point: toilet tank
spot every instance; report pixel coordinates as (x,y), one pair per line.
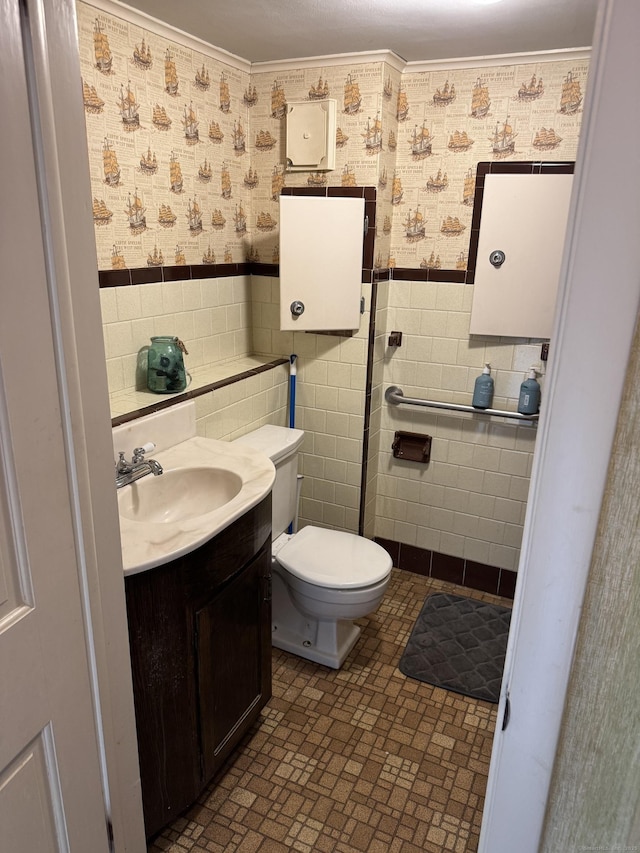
(281,445)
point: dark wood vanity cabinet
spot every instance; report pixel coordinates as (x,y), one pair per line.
(200,638)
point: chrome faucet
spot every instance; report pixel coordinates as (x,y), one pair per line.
(129,472)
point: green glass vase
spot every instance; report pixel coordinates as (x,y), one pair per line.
(165,365)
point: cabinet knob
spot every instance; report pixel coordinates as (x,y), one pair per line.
(297,308)
(497,258)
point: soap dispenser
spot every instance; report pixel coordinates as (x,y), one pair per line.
(529,400)
(483,389)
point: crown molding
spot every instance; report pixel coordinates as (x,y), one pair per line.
(276,65)
(159,28)
(529,58)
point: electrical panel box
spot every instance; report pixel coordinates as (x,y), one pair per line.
(321,242)
(311,136)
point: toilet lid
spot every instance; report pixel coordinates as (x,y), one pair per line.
(334,559)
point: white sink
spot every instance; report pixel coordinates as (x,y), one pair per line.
(179,494)
(206,485)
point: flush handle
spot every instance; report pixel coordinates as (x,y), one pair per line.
(296,308)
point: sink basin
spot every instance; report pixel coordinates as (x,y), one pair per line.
(183,493)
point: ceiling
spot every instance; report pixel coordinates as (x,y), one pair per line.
(416,30)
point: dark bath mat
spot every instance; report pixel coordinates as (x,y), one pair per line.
(458,644)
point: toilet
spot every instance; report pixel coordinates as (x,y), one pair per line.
(322,579)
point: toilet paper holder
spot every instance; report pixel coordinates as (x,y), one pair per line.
(412,446)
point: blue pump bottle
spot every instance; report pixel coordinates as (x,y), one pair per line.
(529,400)
(483,389)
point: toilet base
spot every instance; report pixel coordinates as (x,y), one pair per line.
(322,641)
(327,643)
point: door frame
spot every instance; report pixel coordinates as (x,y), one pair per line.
(593,332)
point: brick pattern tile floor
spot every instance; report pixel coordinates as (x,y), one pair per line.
(358,759)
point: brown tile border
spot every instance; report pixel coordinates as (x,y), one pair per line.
(433,564)
(165,403)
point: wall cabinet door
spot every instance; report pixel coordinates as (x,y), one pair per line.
(234,660)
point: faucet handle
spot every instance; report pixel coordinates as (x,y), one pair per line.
(122,466)
(138,453)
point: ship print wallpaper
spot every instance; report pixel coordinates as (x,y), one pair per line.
(187,152)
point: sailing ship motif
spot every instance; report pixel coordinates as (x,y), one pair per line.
(387,90)
(190,124)
(352,100)
(275,255)
(382,179)
(110,165)
(166,217)
(461,261)
(170,75)
(92,102)
(117,259)
(317,179)
(251,178)
(317,93)
(480,101)
(180,260)
(265,222)
(194,217)
(265,141)
(135,211)
(228,255)
(341,138)
(239,139)
(432,263)
(217,220)
(373,136)
(451,226)
(142,55)
(149,162)
(420,142)
(156,259)
(392,143)
(129,109)
(225,181)
(414,226)
(202,80)
(571,96)
(459,140)
(101,49)
(446,96)
(437,184)
(503,141)
(469,189)
(532,90)
(175,174)
(277,181)
(253,255)
(546,139)
(215,134)
(225,94)
(348,177)
(397,193)
(101,213)
(205,172)
(160,119)
(250,97)
(402,106)
(391,262)
(278,101)
(209,257)
(240,220)
(386,226)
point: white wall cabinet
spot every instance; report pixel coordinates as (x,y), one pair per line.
(525,217)
(321,243)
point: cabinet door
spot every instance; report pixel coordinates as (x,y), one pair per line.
(233,641)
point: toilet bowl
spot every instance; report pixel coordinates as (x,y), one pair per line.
(321,579)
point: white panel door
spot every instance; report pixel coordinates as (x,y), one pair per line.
(525,217)
(51,795)
(320,262)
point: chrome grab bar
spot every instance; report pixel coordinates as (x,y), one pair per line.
(395,396)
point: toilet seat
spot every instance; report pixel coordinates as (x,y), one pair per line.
(333,558)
